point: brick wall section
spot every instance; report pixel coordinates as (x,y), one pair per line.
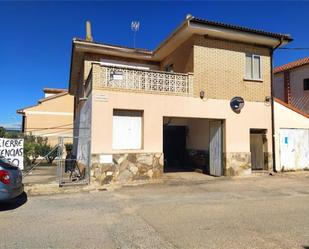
(219,69)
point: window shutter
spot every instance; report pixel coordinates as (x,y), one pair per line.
(248,67)
(256,67)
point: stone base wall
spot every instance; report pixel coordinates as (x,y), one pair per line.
(127,168)
(237,163)
(268,161)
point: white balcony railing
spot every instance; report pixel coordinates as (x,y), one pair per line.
(145,80)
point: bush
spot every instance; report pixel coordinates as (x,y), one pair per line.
(68,146)
(2,132)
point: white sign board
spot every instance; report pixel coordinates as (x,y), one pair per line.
(13,150)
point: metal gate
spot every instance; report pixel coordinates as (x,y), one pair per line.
(73,161)
(294,149)
(215,148)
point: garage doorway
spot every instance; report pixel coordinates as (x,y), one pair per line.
(258,149)
(193,145)
(174,148)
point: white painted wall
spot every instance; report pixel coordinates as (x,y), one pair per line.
(294,149)
(286,118)
(255,115)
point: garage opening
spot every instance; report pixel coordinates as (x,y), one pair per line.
(193,144)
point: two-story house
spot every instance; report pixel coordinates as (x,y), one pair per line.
(201,99)
(291,84)
(51,117)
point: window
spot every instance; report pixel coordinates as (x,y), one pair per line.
(306,84)
(127,129)
(169,68)
(253,67)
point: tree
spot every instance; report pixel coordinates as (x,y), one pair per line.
(2,132)
(49,152)
(34,147)
(68,146)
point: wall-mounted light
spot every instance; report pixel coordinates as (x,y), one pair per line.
(267,100)
(202,94)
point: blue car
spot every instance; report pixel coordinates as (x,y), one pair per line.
(11,184)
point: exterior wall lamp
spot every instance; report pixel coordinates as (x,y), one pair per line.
(267,100)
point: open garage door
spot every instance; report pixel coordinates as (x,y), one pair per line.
(215,148)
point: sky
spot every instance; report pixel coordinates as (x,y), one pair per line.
(36,37)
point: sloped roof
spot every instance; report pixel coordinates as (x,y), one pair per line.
(54,90)
(21,111)
(53,96)
(242,28)
(292,65)
(293,108)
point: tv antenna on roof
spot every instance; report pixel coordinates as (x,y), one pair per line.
(134,28)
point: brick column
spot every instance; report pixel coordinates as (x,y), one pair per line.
(287,87)
(96,75)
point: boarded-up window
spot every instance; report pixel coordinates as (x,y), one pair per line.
(127,129)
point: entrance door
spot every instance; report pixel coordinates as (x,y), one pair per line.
(257,151)
(215,148)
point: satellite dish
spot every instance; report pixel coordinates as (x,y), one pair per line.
(237,103)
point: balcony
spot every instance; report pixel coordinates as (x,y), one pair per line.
(139,80)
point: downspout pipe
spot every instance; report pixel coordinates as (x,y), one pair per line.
(272,104)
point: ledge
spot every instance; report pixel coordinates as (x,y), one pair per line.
(253,80)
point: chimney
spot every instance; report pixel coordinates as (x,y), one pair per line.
(188,16)
(88,32)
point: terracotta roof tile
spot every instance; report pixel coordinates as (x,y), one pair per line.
(291,65)
(242,28)
(54,90)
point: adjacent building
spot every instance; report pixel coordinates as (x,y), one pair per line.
(291,84)
(201,99)
(52,117)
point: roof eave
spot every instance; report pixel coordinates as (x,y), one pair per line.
(284,37)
